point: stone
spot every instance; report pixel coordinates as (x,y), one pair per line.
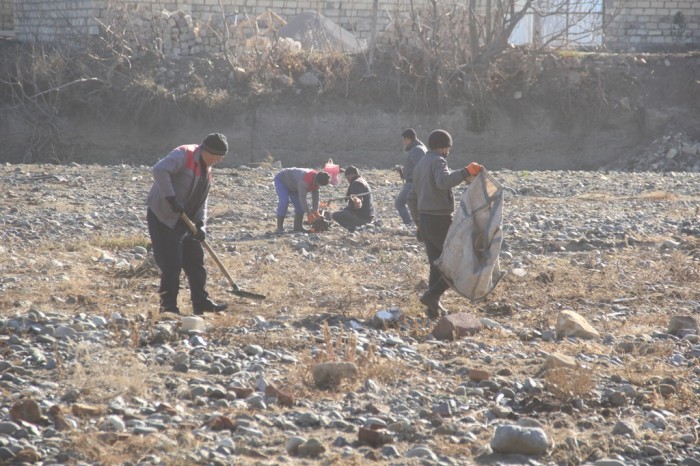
(26,410)
(478,375)
(624,428)
(421,452)
(457,325)
(283,398)
(679,323)
(311,449)
(330,374)
(293,443)
(374,437)
(609,462)
(572,324)
(558,360)
(189,323)
(519,440)
(387,318)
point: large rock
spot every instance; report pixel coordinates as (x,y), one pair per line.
(456,326)
(679,323)
(520,440)
(558,360)
(572,324)
(26,410)
(330,374)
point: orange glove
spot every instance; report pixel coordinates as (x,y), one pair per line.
(473,169)
(312,216)
(356,202)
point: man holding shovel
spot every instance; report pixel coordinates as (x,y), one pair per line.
(181,185)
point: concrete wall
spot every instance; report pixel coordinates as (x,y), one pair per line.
(639,25)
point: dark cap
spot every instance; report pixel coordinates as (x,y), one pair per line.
(409,134)
(215,144)
(322,178)
(439,139)
(352,170)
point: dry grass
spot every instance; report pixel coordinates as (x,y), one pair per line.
(307,293)
(104,373)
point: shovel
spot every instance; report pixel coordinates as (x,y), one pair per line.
(234,288)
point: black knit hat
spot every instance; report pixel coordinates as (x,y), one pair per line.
(439,139)
(215,144)
(352,171)
(322,178)
(409,133)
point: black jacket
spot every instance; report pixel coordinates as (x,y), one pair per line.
(360,186)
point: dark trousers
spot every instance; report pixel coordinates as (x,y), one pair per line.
(434,230)
(350,220)
(176,250)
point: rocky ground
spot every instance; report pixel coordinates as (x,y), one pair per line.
(585,353)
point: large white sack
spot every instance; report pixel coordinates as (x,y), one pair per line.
(469,260)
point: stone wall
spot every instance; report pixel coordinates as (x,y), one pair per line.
(647,25)
(195,26)
(6,19)
(182,21)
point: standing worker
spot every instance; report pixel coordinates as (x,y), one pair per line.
(433,182)
(406,199)
(293,184)
(360,208)
(181,185)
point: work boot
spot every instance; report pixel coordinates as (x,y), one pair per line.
(299,223)
(169,310)
(432,301)
(209,306)
(280,224)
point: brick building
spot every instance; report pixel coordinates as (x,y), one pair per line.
(627,24)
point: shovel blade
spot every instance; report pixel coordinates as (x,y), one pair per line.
(248,294)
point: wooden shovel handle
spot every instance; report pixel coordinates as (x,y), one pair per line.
(211,252)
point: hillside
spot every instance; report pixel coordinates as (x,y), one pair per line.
(524,111)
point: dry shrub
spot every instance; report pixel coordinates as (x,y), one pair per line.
(107,373)
(566,383)
(100,449)
(682,268)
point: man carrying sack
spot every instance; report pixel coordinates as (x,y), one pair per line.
(433,182)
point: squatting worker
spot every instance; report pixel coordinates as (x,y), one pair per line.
(181,184)
(294,184)
(433,182)
(360,208)
(405,201)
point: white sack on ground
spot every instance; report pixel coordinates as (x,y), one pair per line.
(469,260)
